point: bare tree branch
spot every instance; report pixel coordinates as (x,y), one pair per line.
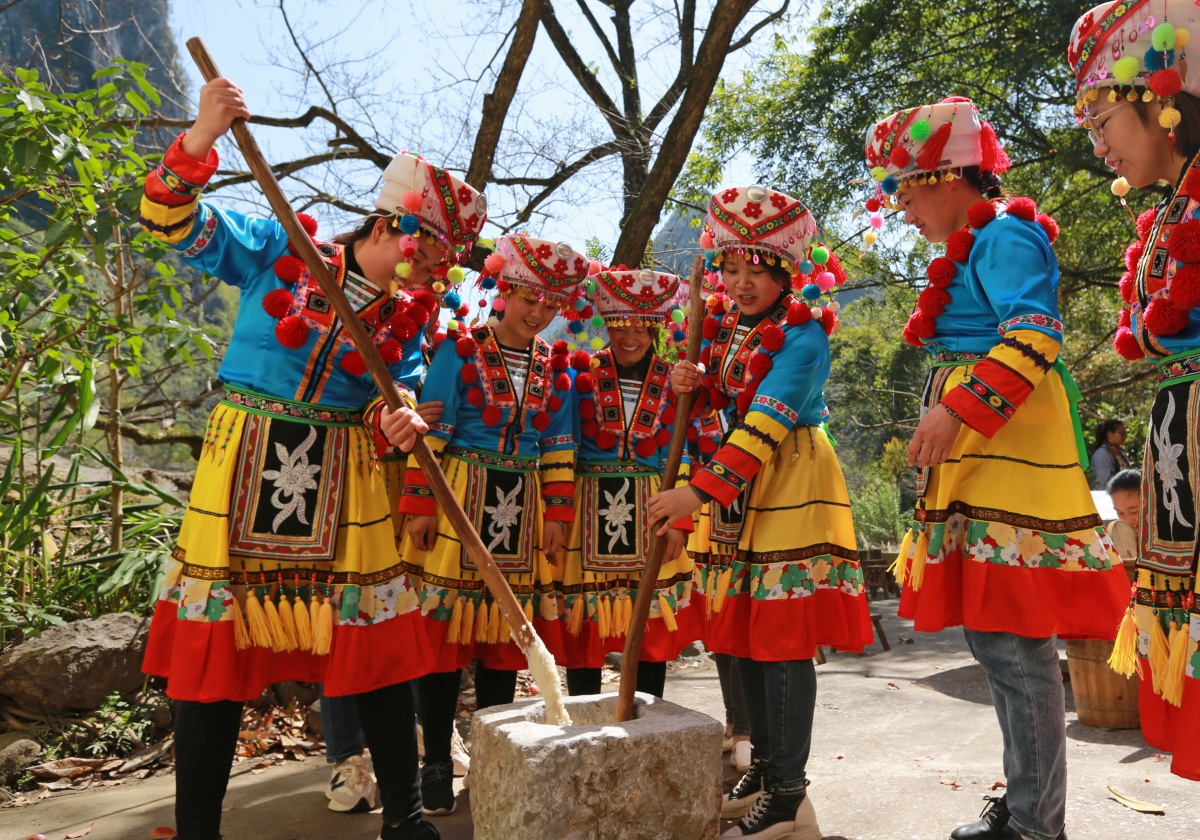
(587,80)
(754,30)
(608,48)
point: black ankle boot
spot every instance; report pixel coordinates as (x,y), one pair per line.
(773,815)
(991,825)
(412,830)
(741,799)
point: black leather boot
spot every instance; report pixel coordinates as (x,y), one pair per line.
(991,825)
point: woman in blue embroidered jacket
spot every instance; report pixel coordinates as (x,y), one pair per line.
(507,449)
(623,430)
(286,568)
(775,544)
(1005,540)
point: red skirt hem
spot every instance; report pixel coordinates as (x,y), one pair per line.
(790,629)
(1036,603)
(588,650)
(200,660)
(506,657)
(1173,729)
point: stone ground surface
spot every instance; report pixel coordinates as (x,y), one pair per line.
(905,744)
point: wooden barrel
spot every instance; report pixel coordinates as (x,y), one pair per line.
(1103,698)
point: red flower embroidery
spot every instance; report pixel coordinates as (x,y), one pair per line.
(663,282)
(729,195)
(464,195)
(560,267)
(779,200)
(753,210)
(543,251)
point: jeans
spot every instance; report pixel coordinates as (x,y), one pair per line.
(731,693)
(343,733)
(1027,691)
(781,698)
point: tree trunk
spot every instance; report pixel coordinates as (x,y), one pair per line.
(116,501)
(496,103)
(677,143)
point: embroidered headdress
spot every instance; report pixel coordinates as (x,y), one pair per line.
(760,224)
(424,197)
(916,145)
(636,297)
(1126,48)
(550,270)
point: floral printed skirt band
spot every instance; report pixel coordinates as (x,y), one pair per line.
(1007,538)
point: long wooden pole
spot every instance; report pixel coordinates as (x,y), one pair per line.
(649,581)
(522,629)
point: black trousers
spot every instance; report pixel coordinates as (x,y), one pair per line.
(206,737)
(651,679)
(439,704)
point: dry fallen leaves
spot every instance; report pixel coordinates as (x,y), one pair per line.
(893,687)
(950,782)
(75,835)
(997,786)
(1139,805)
(163,832)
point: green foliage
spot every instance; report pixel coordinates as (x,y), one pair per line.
(91,319)
(805,116)
(877,514)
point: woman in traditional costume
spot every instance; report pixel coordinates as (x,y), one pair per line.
(775,544)
(1006,540)
(623,431)
(1138,94)
(505,441)
(286,567)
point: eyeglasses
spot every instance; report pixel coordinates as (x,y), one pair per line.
(1096,132)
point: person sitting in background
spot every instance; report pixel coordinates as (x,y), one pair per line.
(1125,489)
(1109,457)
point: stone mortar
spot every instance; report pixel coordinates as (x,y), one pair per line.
(658,775)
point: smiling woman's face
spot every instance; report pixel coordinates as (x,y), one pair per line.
(524,317)
(1137,150)
(629,344)
(750,284)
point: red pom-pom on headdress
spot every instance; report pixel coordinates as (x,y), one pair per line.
(1165,83)
(979,214)
(1185,241)
(494,264)
(958,246)
(834,267)
(829,320)
(992,157)
(1023,208)
(900,158)
(1164,317)
(292,332)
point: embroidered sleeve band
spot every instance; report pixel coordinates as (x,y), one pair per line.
(1001,383)
(169,205)
(417,498)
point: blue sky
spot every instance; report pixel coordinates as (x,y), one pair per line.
(409,70)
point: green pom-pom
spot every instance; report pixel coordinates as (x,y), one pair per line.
(820,255)
(455,274)
(879,173)
(677,316)
(597,321)
(1124,69)
(1163,37)
(920,130)
(591,288)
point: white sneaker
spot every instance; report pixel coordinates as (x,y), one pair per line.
(458,752)
(352,788)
